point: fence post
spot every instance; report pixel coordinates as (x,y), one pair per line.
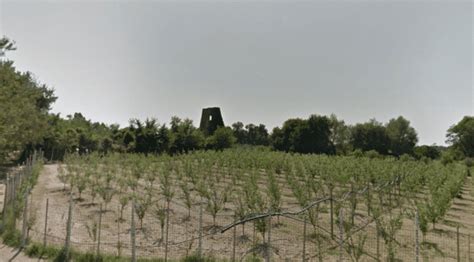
(377,235)
(119,244)
(69,228)
(14,186)
(417,238)
(200,230)
(25,219)
(5,200)
(5,195)
(98,233)
(304,240)
(46,222)
(341,234)
(457,244)
(132,233)
(331,207)
(269,243)
(234,242)
(167,229)
(469,247)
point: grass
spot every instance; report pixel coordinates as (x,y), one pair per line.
(56,254)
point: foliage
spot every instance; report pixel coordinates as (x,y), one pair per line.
(251,135)
(221,139)
(310,135)
(403,137)
(461,136)
(24,105)
(431,152)
(370,136)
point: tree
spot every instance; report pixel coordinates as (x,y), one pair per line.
(461,136)
(370,136)
(257,135)
(304,136)
(319,135)
(146,135)
(431,152)
(184,136)
(340,135)
(251,135)
(24,106)
(403,137)
(239,132)
(6,45)
(222,138)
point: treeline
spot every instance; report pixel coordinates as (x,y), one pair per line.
(75,133)
(24,107)
(26,124)
(330,135)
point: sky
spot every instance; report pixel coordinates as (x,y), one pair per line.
(260,61)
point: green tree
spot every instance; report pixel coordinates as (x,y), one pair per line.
(257,135)
(6,45)
(222,138)
(370,136)
(304,136)
(461,136)
(403,137)
(340,135)
(185,136)
(24,106)
(239,132)
(431,152)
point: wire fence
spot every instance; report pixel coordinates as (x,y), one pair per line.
(101,230)
(173,231)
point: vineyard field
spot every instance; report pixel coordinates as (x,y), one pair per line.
(216,190)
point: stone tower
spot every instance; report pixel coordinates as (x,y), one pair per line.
(211,119)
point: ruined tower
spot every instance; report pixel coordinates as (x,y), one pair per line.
(211,119)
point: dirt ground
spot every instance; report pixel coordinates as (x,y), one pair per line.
(287,236)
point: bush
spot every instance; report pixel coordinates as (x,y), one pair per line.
(38,250)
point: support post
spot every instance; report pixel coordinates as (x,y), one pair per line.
(200,230)
(469,247)
(98,233)
(377,235)
(417,238)
(457,245)
(46,222)
(304,239)
(67,246)
(269,243)
(234,242)
(25,220)
(341,235)
(331,209)
(5,200)
(167,229)
(132,233)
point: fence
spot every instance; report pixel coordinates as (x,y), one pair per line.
(174,231)
(96,229)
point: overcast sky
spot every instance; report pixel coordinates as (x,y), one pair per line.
(260,61)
